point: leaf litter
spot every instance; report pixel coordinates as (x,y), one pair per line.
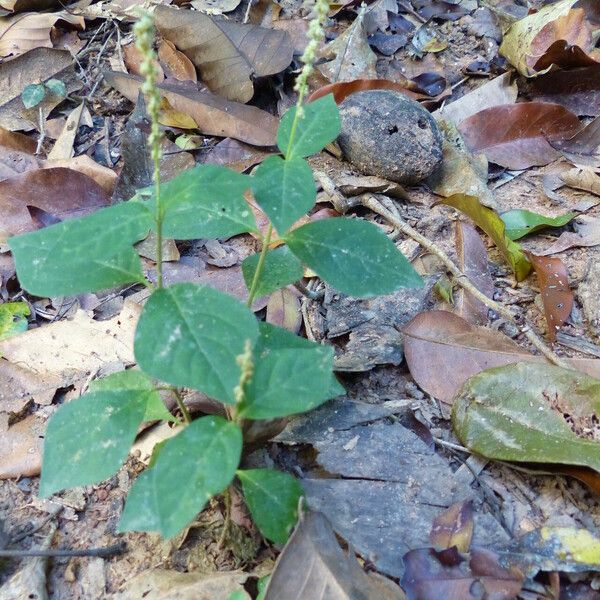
(385,456)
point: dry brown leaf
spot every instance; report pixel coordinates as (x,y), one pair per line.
(133,58)
(343,89)
(17,141)
(27,31)
(283,310)
(215,7)
(16,154)
(63,147)
(21,448)
(213,114)
(582,179)
(176,65)
(228,54)
(235,155)
(19,385)
(28,5)
(587,233)
(106,178)
(442,351)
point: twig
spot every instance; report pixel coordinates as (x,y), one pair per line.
(310,294)
(102,552)
(247,13)
(42,137)
(461,279)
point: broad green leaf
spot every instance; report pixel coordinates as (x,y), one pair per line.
(190,335)
(353,256)
(12,318)
(190,468)
(262,587)
(56,87)
(83,255)
(319,125)
(529,412)
(493,225)
(520,223)
(138,382)
(272,497)
(33,94)
(88,439)
(238,595)
(284,189)
(276,338)
(280,268)
(205,202)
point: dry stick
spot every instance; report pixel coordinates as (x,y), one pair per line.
(461,279)
(102,552)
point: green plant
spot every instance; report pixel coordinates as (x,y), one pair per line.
(34,93)
(197,337)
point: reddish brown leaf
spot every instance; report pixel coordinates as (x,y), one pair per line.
(585,142)
(60,192)
(21,448)
(517,136)
(235,155)
(132,57)
(343,89)
(557,297)
(176,64)
(454,527)
(442,351)
(447,574)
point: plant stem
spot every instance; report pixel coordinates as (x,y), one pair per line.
(461,279)
(227,518)
(259,266)
(159,219)
(181,405)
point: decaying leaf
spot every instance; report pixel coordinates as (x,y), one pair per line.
(312,565)
(454,527)
(212,114)
(442,351)
(492,224)
(228,54)
(586,234)
(517,136)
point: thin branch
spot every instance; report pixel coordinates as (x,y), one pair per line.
(461,279)
(102,552)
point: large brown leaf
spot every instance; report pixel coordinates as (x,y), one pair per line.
(442,351)
(213,115)
(517,136)
(228,54)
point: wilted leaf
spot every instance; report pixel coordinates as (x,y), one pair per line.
(213,115)
(492,224)
(530,413)
(520,222)
(517,136)
(352,56)
(454,527)
(228,54)
(557,297)
(442,351)
(448,574)
(312,565)
(175,63)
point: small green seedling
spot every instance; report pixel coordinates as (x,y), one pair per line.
(34,93)
(194,336)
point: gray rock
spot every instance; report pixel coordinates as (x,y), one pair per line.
(387,134)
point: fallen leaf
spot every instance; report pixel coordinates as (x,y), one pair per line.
(28,31)
(557,297)
(235,155)
(517,136)
(440,9)
(443,350)
(228,54)
(490,222)
(106,178)
(454,527)
(38,65)
(16,141)
(19,385)
(212,114)
(215,7)
(63,147)
(350,54)
(496,92)
(13,318)
(520,222)
(343,89)
(448,574)
(283,310)
(582,178)
(312,565)
(426,40)
(28,5)
(587,233)
(133,59)
(21,448)
(176,64)
(583,142)
(473,262)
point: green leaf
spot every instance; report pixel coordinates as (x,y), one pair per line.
(272,497)
(12,318)
(319,126)
(353,256)
(33,94)
(493,225)
(205,202)
(520,223)
(88,439)
(83,255)
(190,335)
(262,587)
(284,189)
(529,412)
(138,382)
(280,268)
(56,87)
(191,467)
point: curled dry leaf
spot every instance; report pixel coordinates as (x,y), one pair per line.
(454,527)
(557,297)
(443,350)
(24,32)
(176,64)
(517,136)
(212,114)
(343,89)
(228,54)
